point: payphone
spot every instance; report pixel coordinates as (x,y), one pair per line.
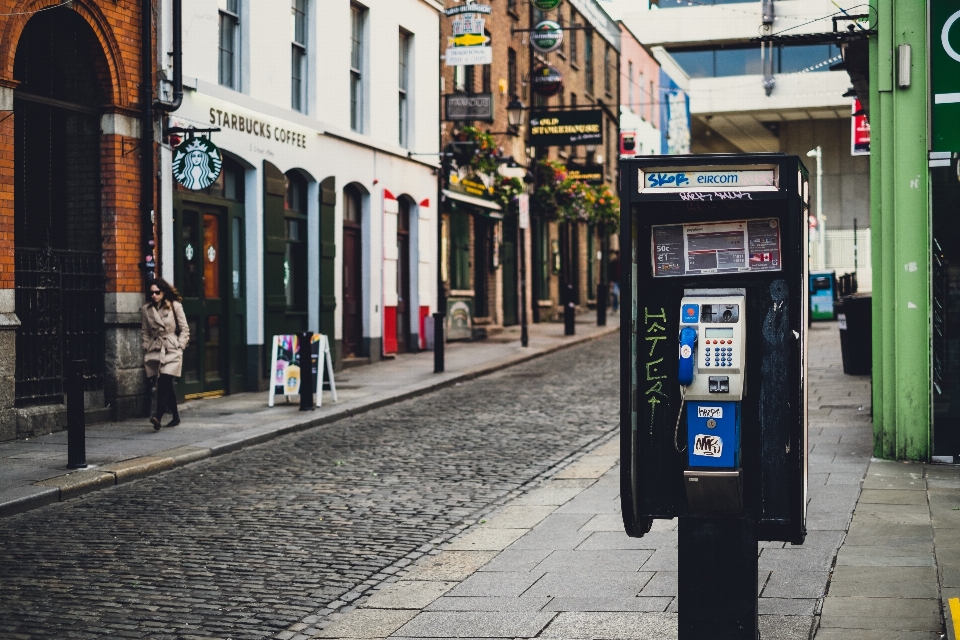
(714,432)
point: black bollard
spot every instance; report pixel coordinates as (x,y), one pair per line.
(438,363)
(603,291)
(306,372)
(569,326)
(76,420)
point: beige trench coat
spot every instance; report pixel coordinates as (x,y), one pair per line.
(162,347)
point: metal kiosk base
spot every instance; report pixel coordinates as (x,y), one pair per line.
(717,578)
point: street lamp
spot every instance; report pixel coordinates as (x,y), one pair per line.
(821,232)
(516,113)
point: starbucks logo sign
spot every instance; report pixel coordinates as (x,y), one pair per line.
(196,163)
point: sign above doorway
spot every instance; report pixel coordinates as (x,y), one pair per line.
(562,128)
(197,163)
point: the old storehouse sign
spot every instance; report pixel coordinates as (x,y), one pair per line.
(547,36)
(196,163)
(552,128)
(547,80)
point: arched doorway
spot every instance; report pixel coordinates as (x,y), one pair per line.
(352,272)
(209,273)
(284,254)
(59,270)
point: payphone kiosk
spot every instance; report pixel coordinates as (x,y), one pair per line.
(713,424)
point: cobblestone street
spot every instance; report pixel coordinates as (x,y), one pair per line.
(244,545)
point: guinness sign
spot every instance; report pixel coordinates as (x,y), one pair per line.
(546,80)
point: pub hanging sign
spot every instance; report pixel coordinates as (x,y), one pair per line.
(469,45)
(562,128)
(197,163)
(547,36)
(546,80)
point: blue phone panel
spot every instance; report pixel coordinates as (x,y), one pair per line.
(688,346)
(716,444)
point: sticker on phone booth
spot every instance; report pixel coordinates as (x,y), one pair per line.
(709,412)
(690,313)
(708,445)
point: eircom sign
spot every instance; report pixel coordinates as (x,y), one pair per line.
(708,180)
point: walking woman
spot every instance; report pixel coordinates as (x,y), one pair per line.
(165,335)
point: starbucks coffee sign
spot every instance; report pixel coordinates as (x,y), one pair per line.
(547,36)
(546,5)
(196,163)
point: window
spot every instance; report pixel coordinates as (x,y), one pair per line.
(486,81)
(298,56)
(229,43)
(352,206)
(573,39)
(588,61)
(469,78)
(459,79)
(740,60)
(642,97)
(630,102)
(607,72)
(512,73)
(295,252)
(404,92)
(357,19)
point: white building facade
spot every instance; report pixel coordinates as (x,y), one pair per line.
(324,216)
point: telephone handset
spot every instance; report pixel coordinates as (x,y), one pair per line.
(688,347)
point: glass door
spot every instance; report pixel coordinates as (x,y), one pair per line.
(201,281)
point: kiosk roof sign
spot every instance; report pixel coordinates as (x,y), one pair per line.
(739,179)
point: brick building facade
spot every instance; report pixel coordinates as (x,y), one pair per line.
(71,208)
(589,62)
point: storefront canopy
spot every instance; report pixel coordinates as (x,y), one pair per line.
(490,209)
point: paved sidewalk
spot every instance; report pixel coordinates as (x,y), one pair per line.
(33,473)
(555,563)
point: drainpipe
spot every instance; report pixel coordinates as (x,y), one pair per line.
(168,107)
(149,265)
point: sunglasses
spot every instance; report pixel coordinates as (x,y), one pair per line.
(155,292)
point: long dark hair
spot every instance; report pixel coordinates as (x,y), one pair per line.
(170,293)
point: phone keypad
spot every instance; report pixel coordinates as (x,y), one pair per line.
(720,356)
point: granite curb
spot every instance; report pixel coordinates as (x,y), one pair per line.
(71,485)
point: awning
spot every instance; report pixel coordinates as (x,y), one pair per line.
(493,209)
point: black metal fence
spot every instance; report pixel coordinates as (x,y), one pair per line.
(59,301)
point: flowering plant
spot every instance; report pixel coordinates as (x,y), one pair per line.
(484,155)
(506,191)
(559,197)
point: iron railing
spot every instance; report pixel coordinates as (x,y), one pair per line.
(59,302)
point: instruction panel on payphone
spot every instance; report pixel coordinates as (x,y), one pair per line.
(721,247)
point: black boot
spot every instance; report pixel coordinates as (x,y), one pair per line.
(175,419)
(155,421)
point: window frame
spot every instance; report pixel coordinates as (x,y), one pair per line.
(358,25)
(233,16)
(404,72)
(298,56)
